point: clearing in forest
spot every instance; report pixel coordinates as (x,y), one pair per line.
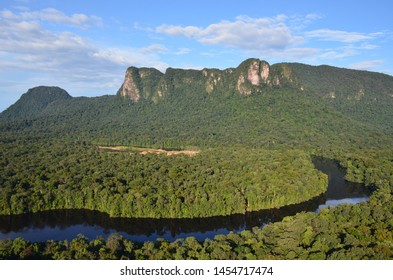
(145,151)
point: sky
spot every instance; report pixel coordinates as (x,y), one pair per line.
(86,46)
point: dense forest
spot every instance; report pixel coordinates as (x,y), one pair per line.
(214,182)
(255,152)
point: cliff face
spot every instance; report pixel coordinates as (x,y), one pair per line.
(140,83)
(251,76)
(254,76)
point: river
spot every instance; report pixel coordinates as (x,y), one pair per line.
(67,224)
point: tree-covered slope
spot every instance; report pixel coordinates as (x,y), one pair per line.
(253,104)
(34,101)
(282,116)
(366,96)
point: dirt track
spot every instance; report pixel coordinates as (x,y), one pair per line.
(145,151)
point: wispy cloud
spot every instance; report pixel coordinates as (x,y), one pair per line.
(366,65)
(54,16)
(313,16)
(124,57)
(154,49)
(340,36)
(337,53)
(294,53)
(182,51)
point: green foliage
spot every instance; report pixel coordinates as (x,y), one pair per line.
(255,154)
(59,174)
(362,95)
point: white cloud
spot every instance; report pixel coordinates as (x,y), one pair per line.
(295,53)
(246,33)
(337,53)
(65,58)
(188,31)
(125,57)
(154,49)
(138,26)
(346,50)
(366,65)
(339,36)
(29,37)
(313,16)
(368,46)
(54,16)
(182,51)
(281,37)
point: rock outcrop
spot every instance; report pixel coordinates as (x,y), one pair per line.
(251,76)
(141,83)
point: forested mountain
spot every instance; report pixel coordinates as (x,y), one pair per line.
(255,129)
(254,104)
(34,101)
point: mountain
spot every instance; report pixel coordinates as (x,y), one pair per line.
(253,76)
(254,104)
(361,94)
(34,101)
(148,83)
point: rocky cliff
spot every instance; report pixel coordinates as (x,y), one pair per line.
(255,76)
(251,76)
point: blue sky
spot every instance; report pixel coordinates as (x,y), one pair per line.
(86,46)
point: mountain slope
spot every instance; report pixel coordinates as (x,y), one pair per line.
(254,104)
(363,95)
(34,101)
(366,96)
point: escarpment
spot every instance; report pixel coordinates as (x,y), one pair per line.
(251,76)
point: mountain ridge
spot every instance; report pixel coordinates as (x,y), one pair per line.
(161,106)
(252,76)
(364,95)
(249,77)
